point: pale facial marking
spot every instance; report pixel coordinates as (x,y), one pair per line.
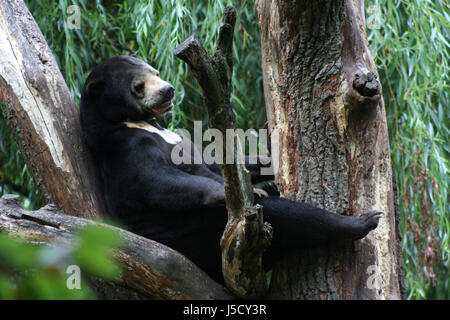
(147,88)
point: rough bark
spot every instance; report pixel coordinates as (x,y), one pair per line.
(150,270)
(246,236)
(323,97)
(41,114)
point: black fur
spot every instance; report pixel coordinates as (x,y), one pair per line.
(182,206)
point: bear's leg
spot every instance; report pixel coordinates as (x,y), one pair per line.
(295,224)
(299,224)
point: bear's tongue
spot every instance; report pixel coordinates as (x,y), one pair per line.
(163,108)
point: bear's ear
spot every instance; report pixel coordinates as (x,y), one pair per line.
(95,87)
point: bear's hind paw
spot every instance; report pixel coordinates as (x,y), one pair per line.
(370,219)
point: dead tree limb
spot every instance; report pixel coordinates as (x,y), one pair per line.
(42,115)
(246,236)
(150,270)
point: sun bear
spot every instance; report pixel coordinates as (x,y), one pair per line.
(181,206)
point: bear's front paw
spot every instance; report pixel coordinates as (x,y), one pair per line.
(260,192)
(214,197)
(370,219)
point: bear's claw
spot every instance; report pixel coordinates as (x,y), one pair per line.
(260,192)
(370,219)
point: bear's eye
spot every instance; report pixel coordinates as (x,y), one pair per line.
(139,87)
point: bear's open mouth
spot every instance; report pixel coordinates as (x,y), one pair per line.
(166,106)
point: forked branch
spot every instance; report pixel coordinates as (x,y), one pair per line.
(246,236)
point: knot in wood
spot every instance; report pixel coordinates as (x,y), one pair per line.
(366,84)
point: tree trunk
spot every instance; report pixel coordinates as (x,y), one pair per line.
(324,99)
(40,111)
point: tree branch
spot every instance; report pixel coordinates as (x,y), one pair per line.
(246,236)
(150,270)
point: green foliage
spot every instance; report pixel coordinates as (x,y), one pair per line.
(14,174)
(411,50)
(94,251)
(33,271)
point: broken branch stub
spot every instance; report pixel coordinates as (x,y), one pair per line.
(246,236)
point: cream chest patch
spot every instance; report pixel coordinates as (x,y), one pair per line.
(167,135)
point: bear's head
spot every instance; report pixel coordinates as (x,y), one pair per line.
(125,88)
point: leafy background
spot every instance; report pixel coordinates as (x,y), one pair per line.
(410,42)
(34,271)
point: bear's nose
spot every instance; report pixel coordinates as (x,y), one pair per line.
(167,92)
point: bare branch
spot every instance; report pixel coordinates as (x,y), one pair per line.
(246,236)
